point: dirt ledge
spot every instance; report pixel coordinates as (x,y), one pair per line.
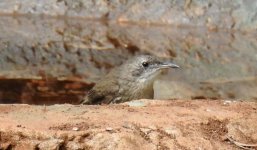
(144,124)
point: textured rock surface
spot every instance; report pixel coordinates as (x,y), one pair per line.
(178,124)
(237,14)
(45,60)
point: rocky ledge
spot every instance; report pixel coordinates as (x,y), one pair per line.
(143,124)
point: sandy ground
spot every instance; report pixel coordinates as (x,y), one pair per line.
(143,124)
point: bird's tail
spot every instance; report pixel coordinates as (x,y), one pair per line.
(84,101)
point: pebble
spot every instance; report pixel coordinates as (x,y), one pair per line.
(51,144)
(227,102)
(208,110)
(145,130)
(174,132)
(109,129)
(75,128)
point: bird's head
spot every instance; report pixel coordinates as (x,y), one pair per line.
(146,67)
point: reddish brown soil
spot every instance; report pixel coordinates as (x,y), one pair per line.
(145,124)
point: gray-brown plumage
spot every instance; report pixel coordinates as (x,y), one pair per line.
(132,80)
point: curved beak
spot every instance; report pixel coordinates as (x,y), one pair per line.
(168,65)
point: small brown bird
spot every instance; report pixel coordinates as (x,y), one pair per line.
(132,80)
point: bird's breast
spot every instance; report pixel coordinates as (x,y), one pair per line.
(137,89)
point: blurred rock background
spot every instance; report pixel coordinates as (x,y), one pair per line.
(54,51)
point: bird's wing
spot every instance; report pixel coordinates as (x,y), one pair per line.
(92,97)
(102,93)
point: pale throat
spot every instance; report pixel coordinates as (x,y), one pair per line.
(147,82)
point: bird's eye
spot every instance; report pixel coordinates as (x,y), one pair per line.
(145,64)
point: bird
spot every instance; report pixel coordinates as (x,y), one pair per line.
(130,81)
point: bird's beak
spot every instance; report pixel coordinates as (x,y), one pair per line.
(168,65)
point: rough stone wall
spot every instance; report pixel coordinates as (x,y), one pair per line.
(214,65)
(60,58)
(236,14)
